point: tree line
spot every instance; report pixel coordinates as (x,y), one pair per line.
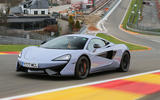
(11,3)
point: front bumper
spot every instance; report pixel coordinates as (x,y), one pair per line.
(56,69)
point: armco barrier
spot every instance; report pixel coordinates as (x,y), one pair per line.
(143,29)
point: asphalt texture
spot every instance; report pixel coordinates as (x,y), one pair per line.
(155,96)
(13,83)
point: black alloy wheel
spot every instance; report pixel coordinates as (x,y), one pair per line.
(82,68)
(125,62)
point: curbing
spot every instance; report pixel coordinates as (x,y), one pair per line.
(75,86)
(9,53)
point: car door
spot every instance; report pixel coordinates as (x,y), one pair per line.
(99,58)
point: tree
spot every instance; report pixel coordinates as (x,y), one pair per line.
(9,4)
(77,25)
(71,22)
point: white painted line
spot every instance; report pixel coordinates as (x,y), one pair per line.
(102,27)
(106,17)
(125,13)
(80,85)
(156,41)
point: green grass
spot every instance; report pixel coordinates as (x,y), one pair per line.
(134,17)
(128,14)
(12,47)
(117,41)
(107,37)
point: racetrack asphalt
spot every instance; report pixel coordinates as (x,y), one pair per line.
(13,83)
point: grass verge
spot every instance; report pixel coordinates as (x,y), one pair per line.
(134,17)
(4,48)
(117,41)
(12,47)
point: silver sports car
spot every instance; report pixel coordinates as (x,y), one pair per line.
(74,55)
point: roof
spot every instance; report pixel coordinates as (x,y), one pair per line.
(26,2)
(39,4)
(16,10)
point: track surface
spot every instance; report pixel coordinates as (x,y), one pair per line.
(13,83)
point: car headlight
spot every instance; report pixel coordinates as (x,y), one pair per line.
(20,55)
(63,58)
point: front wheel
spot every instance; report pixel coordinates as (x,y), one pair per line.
(125,62)
(82,68)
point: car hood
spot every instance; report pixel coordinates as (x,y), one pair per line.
(42,54)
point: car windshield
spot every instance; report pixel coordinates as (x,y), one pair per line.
(66,42)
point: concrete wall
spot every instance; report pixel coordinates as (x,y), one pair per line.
(16,40)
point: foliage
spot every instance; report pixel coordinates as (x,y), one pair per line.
(133,18)
(11,3)
(71,22)
(77,25)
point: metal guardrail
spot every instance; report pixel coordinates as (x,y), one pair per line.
(110,8)
(99,4)
(84,28)
(139,28)
(99,8)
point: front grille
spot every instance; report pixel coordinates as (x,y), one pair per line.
(58,68)
(54,68)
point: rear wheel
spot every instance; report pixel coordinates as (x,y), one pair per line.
(82,68)
(125,62)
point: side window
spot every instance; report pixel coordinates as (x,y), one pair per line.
(100,42)
(42,12)
(90,45)
(95,41)
(35,12)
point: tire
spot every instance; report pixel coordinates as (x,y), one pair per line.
(125,62)
(82,68)
(18,67)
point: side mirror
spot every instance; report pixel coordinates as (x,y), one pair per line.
(43,42)
(107,43)
(96,46)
